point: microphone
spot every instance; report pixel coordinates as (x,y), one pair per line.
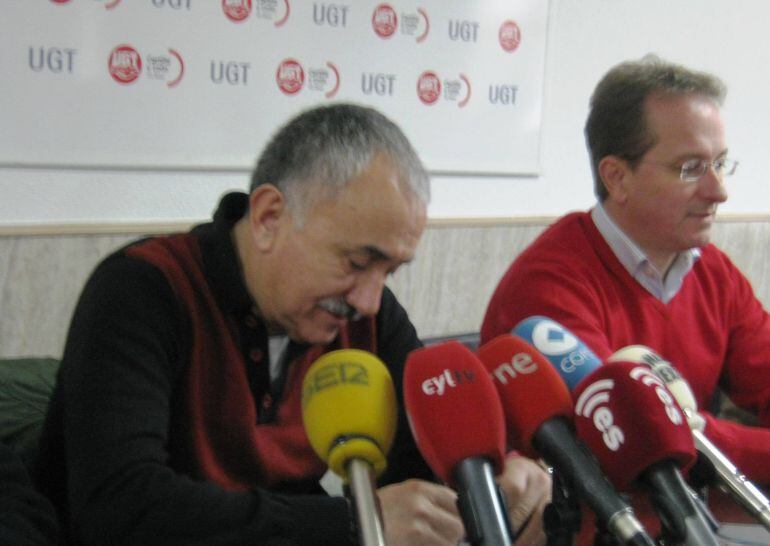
(568,354)
(648,447)
(457,422)
(538,409)
(349,413)
(731,480)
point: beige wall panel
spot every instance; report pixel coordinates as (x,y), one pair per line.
(445,289)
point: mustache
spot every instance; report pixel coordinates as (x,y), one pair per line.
(339,307)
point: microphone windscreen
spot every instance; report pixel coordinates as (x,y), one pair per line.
(453,408)
(349,409)
(641,354)
(629,420)
(531,390)
(565,351)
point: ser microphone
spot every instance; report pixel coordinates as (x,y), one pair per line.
(538,410)
(565,351)
(730,479)
(349,413)
(457,422)
(633,425)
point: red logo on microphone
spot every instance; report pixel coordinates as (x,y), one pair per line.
(384,20)
(125,64)
(236,10)
(428,87)
(290,76)
(509,36)
(60,1)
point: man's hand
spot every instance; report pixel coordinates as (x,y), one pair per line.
(527,490)
(420,513)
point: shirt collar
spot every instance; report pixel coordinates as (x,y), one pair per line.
(638,264)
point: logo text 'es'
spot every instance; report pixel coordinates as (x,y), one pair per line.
(592,404)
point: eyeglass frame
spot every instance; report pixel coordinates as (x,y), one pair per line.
(723,166)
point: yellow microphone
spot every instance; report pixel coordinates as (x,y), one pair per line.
(349,413)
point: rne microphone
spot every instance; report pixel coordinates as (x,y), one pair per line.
(565,351)
(730,479)
(349,413)
(633,425)
(538,411)
(457,422)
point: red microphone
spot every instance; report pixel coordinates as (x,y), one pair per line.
(457,422)
(634,426)
(630,420)
(538,409)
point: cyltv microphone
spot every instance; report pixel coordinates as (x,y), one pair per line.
(633,425)
(457,422)
(565,351)
(730,479)
(538,410)
(349,413)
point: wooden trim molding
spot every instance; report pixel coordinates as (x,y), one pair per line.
(171,226)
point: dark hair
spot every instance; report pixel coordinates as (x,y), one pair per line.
(319,151)
(616,122)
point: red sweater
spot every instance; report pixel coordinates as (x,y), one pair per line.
(714,331)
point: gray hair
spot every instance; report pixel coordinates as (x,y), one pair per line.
(616,123)
(319,151)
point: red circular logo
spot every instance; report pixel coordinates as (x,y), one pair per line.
(384,20)
(125,64)
(60,1)
(290,76)
(236,10)
(428,87)
(509,36)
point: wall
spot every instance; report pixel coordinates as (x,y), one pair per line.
(445,289)
(585,38)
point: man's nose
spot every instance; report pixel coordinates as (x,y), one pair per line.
(711,186)
(366,293)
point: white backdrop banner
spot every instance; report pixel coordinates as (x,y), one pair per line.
(194,84)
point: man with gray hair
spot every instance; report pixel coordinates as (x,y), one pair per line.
(639,267)
(177,414)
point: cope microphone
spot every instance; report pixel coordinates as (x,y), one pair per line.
(457,422)
(633,425)
(566,352)
(538,410)
(731,480)
(349,413)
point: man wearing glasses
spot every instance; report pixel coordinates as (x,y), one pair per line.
(638,268)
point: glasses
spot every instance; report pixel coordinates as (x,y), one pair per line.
(693,169)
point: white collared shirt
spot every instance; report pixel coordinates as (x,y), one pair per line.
(663,286)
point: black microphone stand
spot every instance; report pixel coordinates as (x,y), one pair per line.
(561,518)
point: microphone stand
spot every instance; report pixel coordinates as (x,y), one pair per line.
(481,504)
(733,482)
(367,509)
(561,518)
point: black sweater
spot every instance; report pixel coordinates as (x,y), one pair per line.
(112,451)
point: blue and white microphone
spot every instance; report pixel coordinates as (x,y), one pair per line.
(568,354)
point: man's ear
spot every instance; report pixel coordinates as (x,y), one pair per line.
(267,207)
(613,172)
